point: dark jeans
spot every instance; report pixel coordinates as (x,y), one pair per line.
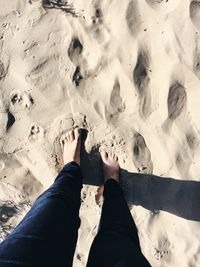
(48,234)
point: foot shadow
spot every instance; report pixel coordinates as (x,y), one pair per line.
(90,163)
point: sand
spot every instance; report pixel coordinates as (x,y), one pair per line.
(128,73)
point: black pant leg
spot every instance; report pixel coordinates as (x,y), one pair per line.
(117,242)
(47,235)
(116,215)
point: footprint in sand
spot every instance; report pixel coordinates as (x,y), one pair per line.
(97,27)
(141,154)
(192,140)
(74,50)
(116,105)
(60,125)
(36,133)
(20,101)
(195,13)
(165,6)
(11,120)
(141,79)
(177,99)
(63,124)
(44,73)
(133,18)
(160,254)
(77,77)
(116,101)
(98,16)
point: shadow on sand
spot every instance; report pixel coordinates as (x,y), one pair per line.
(179,197)
(59,4)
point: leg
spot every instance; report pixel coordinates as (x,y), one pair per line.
(47,235)
(117,243)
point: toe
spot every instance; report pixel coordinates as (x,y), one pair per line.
(104,154)
(115,158)
(77,132)
(111,155)
(67,138)
(71,136)
(61,140)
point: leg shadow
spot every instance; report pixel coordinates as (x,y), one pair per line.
(179,197)
(155,193)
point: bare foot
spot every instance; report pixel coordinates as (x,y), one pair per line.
(110,165)
(71,144)
(110,169)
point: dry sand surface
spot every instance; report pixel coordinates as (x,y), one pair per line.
(128,73)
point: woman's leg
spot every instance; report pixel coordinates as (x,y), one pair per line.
(47,235)
(117,242)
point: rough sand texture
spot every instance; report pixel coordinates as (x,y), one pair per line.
(128,73)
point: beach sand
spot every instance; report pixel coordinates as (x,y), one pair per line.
(127,72)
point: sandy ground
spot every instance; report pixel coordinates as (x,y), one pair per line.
(128,73)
